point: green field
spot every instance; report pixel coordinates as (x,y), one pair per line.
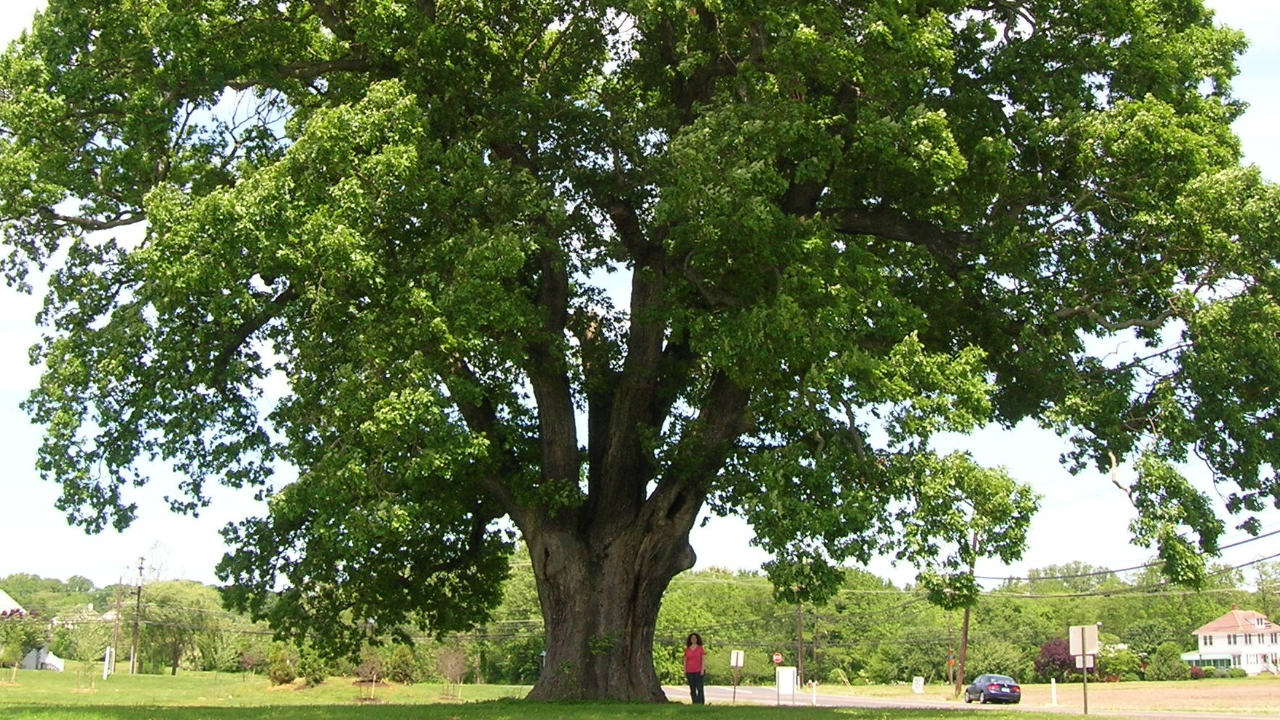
(206,696)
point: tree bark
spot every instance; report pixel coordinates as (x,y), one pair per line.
(600,604)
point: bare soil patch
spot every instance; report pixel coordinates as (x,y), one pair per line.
(1255,694)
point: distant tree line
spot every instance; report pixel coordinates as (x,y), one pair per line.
(871,632)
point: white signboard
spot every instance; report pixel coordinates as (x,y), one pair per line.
(1083,639)
(735,658)
(1082,659)
(917,685)
(786,680)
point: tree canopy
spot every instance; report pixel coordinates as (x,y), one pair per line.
(585,269)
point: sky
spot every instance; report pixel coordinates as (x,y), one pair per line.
(1083,518)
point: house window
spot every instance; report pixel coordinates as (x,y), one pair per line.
(1231,639)
(1274,638)
(1208,640)
(1235,661)
(1248,639)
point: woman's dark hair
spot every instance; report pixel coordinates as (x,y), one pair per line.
(693,638)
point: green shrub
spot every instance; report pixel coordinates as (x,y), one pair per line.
(1220,673)
(311,666)
(1167,664)
(401,665)
(1237,673)
(1121,662)
(1130,677)
(281,667)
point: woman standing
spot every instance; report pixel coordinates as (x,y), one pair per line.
(694,666)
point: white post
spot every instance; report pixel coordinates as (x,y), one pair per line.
(814,684)
(1053,691)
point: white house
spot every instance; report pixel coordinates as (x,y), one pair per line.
(1240,639)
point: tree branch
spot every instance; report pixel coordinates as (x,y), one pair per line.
(944,245)
(482,419)
(1091,312)
(89,223)
(308,71)
(246,329)
(548,373)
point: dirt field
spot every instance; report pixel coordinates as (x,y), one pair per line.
(1257,694)
(1244,695)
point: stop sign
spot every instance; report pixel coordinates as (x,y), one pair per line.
(777,658)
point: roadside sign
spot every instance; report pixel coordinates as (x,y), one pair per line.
(735,658)
(786,681)
(777,658)
(1083,639)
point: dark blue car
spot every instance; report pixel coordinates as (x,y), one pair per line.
(993,688)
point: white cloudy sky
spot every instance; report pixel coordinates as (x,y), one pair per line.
(1084,517)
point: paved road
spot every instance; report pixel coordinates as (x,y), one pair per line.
(721,694)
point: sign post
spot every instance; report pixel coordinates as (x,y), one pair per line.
(736,658)
(1083,641)
(777,662)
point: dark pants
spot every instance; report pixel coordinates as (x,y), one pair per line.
(695,688)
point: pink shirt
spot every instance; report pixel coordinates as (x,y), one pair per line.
(693,655)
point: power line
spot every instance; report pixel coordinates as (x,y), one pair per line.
(1098,573)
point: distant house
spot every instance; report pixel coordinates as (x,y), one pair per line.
(1240,639)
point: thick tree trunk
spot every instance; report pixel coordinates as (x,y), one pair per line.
(600,603)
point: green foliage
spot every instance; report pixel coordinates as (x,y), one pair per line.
(83,636)
(401,665)
(20,633)
(770,250)
(999,656)
(311,666)
(51,597)
(1166,664)
(179,619)
(282,664)
(1120,662)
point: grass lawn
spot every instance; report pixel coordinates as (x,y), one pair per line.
(79,695)
(82,695)
(80,687)
(492,710)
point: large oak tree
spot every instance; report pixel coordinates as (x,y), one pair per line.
(587,270)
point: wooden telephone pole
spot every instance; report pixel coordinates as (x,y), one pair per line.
(137,620)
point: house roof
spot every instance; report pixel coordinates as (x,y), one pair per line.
(8,604)
(1237,621)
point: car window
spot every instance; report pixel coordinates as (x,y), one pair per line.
(1001,679)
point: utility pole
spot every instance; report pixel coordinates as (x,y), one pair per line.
(137,619)
(799,644)
(115,631)
(964,625)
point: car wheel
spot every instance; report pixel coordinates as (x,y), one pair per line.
(982,698)
(967,697)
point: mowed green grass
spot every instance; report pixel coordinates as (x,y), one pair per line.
(490,710)
(81,695)
(76,687)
